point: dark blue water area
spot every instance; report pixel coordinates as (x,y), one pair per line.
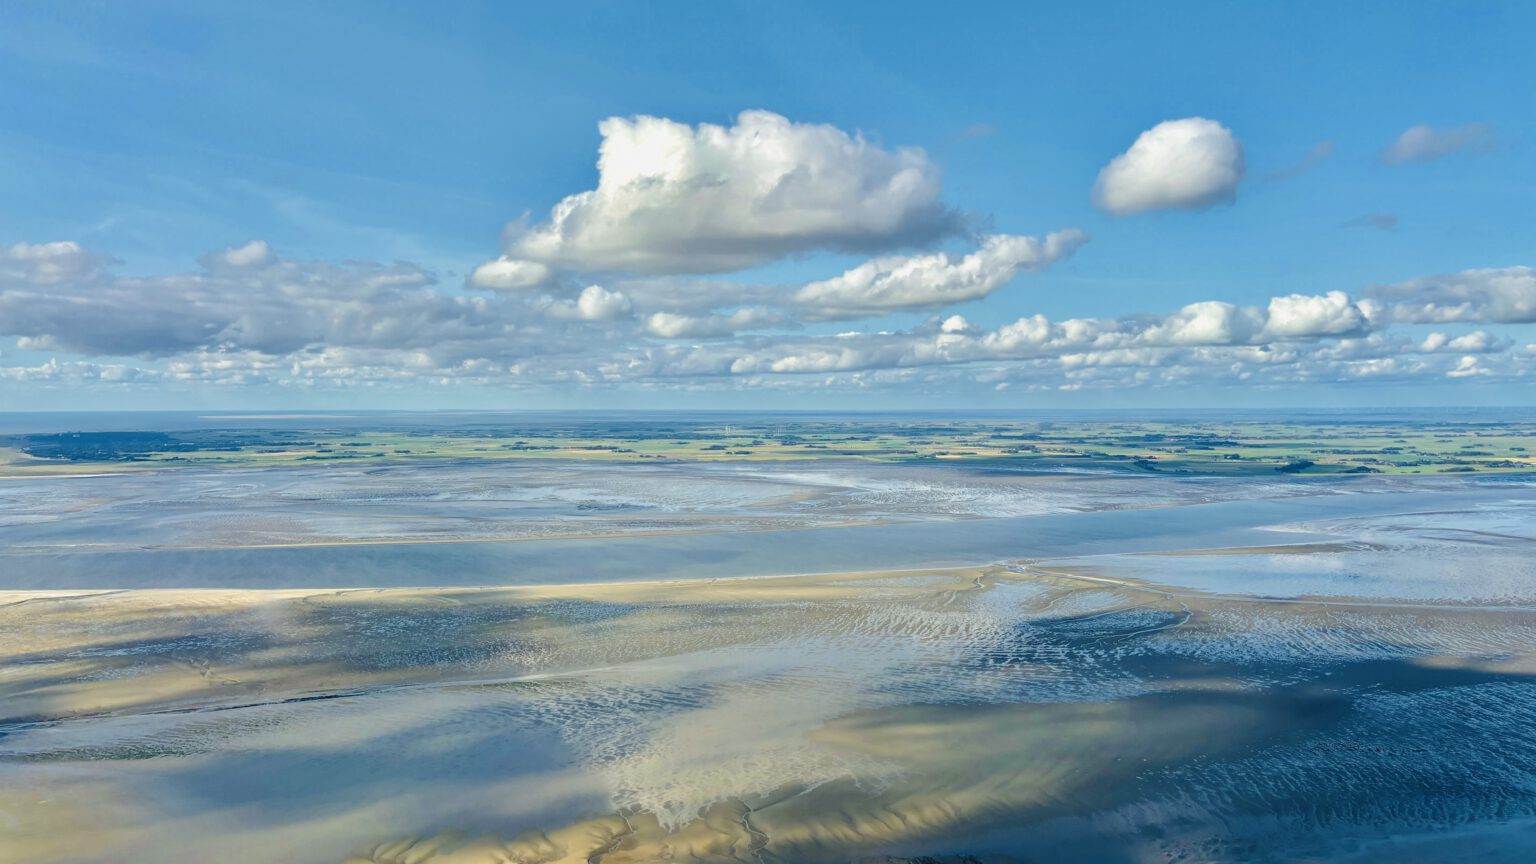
(724,555)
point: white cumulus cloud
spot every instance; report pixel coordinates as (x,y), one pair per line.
(1210,322)
(928,281)
(1183,164)
(1301,316)
(253,319)
(253,254)
(595,303)
(674,198)
(1476,342)
(507,274)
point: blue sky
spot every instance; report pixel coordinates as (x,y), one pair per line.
(352,140)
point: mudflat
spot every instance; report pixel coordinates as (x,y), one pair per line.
(820,660)
(1006,711)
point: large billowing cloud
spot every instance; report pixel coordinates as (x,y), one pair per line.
(1426,143)
(931,281)
(673,198)
(606,290)
(1186,164)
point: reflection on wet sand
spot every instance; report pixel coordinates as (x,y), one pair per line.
(955,769)
(1094,710)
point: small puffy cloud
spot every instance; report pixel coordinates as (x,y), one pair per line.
(1477,342)
(253,254)
(1468,367)
(598,304)
(1026,334)
(673,198)
(957,324)
(1302,316)
(1425,143)
(595,303)
(1211,322)
(928,281)
(1186,164)
(508,274)
(76,372)
(1434,342)
(1504,295)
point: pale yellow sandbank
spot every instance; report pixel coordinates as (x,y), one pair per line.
(70,653)
(800,718)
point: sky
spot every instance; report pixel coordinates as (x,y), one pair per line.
(731,205)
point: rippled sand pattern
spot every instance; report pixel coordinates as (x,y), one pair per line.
(1092,710)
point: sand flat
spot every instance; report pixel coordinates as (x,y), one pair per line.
(821,717)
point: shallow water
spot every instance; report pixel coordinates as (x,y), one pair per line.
(196,508)
(723,552)
(1356,690)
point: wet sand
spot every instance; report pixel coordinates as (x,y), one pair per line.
(1011,713)
(1007,668)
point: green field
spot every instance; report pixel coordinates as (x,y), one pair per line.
(1217,448)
